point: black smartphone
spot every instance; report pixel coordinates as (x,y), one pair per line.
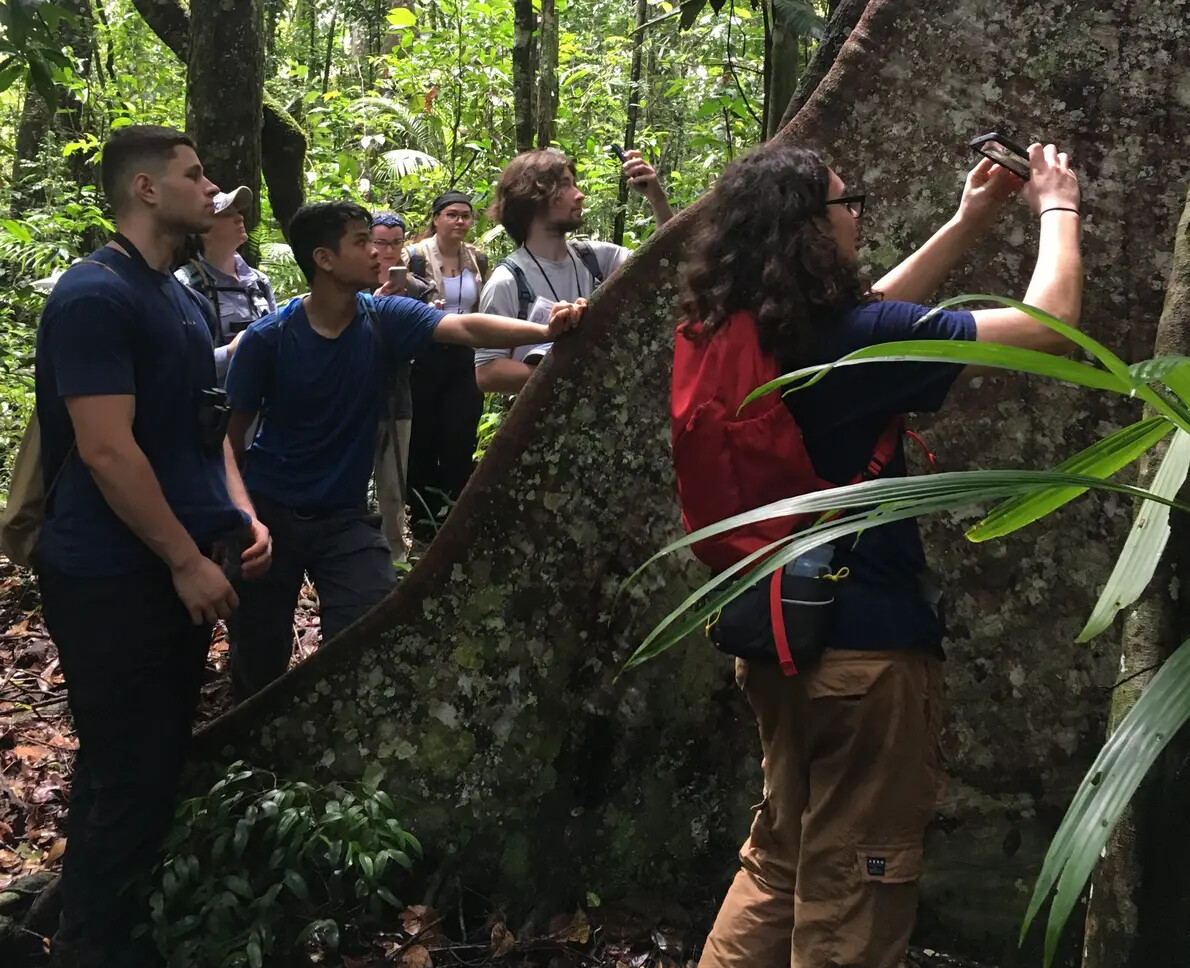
(617,152)
(1003,151)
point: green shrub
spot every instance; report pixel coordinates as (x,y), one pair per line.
(258,868)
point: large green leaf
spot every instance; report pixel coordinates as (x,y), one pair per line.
(962,352)
(1162,709)
(1101,459)
(1146,542)
(896,499)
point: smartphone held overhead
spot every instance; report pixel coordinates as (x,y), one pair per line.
(1003,151)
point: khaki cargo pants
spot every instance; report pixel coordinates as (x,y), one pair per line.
(852,771)
(392,463)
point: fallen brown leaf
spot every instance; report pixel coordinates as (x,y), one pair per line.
(417,957)
(576,931)
(64,742)
(30,754)
(56,851)
(503,940)
(424,923)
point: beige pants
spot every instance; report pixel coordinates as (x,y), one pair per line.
(392,445)
(852,771)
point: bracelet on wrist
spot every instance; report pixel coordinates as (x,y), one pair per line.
(1059,208)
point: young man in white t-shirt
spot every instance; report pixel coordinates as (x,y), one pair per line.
(538,203)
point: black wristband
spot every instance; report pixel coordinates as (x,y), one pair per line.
(1058,208)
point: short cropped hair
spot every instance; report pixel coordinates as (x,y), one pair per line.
(321,226)
(135,148)
(528,185)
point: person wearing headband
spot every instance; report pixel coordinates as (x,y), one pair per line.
(392,441)
(447,403)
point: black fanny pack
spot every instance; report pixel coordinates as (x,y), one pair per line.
(784,620)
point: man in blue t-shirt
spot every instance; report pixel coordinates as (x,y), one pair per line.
(143,493)
(318,372)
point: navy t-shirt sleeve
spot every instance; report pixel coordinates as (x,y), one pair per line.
(903,387)
(407,325)
(251,368)
(90,340)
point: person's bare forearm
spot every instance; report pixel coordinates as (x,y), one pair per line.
(235,483)
(127,482)
(503,376)
(662,212)
(915,279)
(1057,283)
(485,330)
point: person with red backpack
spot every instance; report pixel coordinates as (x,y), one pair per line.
(845,676)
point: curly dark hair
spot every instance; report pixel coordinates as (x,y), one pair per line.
(759,248)
(529,184)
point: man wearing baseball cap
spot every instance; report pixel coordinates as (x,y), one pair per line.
(238,293)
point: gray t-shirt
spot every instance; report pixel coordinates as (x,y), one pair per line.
(563,281)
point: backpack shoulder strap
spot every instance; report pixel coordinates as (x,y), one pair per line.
(284,314)
(584,251)
(524,292)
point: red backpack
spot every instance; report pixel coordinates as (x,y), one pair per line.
(729,461)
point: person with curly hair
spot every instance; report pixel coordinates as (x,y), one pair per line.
(539,203)
(829,874)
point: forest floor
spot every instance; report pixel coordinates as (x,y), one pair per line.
(37,746)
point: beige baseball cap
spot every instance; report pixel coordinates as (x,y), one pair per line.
(240,199)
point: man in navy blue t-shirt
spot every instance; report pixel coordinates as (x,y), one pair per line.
(318,372)
(141,498)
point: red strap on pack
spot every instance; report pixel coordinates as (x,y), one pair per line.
(777,617)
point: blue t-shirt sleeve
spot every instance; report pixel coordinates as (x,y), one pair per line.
(252,366)
(407,325)
(90,339)
(902,387)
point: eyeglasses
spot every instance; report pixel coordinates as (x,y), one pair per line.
(385,244)
(854,203)
(458,216)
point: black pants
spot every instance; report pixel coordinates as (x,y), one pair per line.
(447,405)
(133,663)
(348,560)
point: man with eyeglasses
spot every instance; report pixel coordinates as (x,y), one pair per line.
(396,423)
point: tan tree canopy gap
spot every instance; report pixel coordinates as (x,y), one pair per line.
(483,694)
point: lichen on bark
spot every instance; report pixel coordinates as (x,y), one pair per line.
(485,691)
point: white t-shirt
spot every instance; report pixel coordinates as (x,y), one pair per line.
(562,281)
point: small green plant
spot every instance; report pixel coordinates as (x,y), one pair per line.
(258,869)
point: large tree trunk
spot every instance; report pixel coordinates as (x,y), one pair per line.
(282,144)
(547,74)
(225,91)
(784,66)
(633,112)
(524,24)
(485,689)
(1132,889)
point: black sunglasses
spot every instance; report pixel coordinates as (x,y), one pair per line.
(854,203)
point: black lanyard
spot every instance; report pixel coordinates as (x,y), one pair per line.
(578,287)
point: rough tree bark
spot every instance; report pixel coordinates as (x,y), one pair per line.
(224,92)
(1132,889)
(634,96)
(524,24)
(547,74)
(283,144)
(843,18)
(484,690)
(783,68)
